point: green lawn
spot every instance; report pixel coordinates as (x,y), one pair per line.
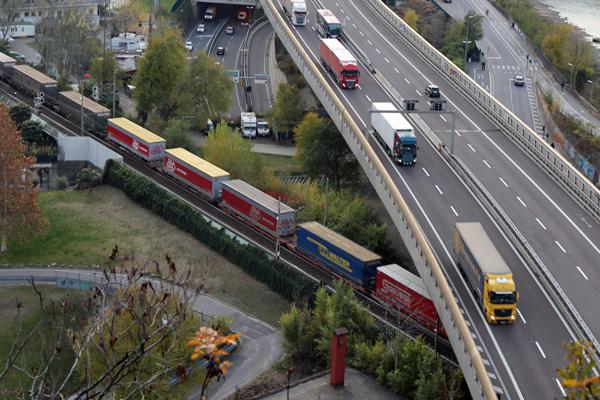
(84,226)
(282,165)
(31,314)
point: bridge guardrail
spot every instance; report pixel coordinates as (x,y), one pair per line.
(575,184)
(417,244)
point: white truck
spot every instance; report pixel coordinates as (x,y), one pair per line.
(394,132)
(262,128)
(296,10)
(248,120)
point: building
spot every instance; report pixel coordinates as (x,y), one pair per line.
(128,43)
(33,11)
(18,30)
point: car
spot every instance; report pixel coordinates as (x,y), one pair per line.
(242,15)
(519,80)
(432,91)
(189,46)
(220,51)
(16,56)
(229,30)
(200,28)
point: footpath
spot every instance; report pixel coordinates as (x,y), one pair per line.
(260,343)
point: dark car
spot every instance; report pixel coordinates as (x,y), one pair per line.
(229,30)
(220,51)
(432,91)
(519,80)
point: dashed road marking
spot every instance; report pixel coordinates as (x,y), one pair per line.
(368,98)
(443,119)
(472,148)
(521,201)
(540,349)
(419,93)
(386,60)
(361,34)
(370,43)
(424,170)
(560,386)
(503,181)
(377,50)
(560,246)
(582,273)
(454,211)
(487,164)
(396,69)
(439,190)
(522,317)
(542,225)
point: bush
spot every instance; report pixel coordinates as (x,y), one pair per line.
(20,113)
(62,183)
(289,283)
(88,178)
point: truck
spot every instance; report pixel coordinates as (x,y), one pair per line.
(248,124)
(406,293)
(258,208)
(488,275)
(340,62)
(139,140)
(194,171)
(339,254)
(296,11)
(394,132)
(210,13)
(262,128)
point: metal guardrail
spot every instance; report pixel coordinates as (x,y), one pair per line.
(575,184)
(417,244)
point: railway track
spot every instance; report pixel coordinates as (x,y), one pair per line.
(386,317)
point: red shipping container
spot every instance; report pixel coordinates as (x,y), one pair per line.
(137,139)
(258,207)
(340,62)
(406,292)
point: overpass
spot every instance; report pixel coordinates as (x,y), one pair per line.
(520,184)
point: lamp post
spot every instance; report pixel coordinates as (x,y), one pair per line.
(571,77)
(591,89)
(466,41)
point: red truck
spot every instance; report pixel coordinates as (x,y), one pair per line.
(137,139)
(340,62)
(257,207)
(406,293)
(201,175)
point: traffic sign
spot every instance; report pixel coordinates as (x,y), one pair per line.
(233,74)
(261,78)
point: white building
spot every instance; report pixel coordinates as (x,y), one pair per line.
(18,30)
(33,11)
(128,43)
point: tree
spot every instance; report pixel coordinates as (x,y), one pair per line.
(32,132)
(473,22)
(227,149)
(453,44)
(20,113)
(160,82)
(88,178)
(20,216)
(288,109)
(411,18)
(323,151)
(130,14)
(10,15)
(103,69)
(298,337)
(177,134)
(578,377)
(211,88)
(556,44)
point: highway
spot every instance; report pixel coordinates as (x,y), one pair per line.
(525,356)
(258,49)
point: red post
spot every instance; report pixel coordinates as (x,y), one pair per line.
(338,356)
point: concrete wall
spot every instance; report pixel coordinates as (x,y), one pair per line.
(75,148)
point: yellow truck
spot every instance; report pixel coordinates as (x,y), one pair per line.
(487,273)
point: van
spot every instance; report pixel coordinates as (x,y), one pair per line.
(211,13)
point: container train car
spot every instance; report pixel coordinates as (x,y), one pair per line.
(137,140)
(69,103)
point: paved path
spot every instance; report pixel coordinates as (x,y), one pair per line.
(260,343)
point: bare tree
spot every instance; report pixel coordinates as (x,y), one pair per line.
(127,339)
(8,16)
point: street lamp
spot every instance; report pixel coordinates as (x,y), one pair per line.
(591,90)
(571,78)
(467,41)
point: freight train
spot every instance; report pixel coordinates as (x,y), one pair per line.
(390,285)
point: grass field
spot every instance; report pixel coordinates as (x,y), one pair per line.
(282,165)
(31,315)
(86,225)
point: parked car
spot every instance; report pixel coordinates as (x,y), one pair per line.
(432,91)
(189,46)
(229,30)
(519,80)
(220,51)
(200,28)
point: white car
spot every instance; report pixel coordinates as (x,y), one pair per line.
(200,28)
(189,46)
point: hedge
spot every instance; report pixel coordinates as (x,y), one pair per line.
(282,279)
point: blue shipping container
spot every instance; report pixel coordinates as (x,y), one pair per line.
(338,253)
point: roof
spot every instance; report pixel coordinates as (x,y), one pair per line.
(407,278)
(35,74)
(6,59)
(340,51)
(139,131)
(199,163)
(258,196)
(88,103)
(396,120)
(481,247)
(328,16)
(350,247)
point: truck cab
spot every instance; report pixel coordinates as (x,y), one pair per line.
(500,299)
(406,149)
(262,128)
(349,74)
(248,124)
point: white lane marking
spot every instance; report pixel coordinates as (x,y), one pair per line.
(419,93)
(342,10)
(386,60)
(443,119)
(354,25)
(368,98)
(377,50)
(521,316)
(471,147)
(454,211)
(542,225)
(439,190)
(560,246)
(540,349)
(582,273)
(370,43)
(396,69)
(560,386)
(313,28)
(521,201)
(407,81)
(336,4)
(458,133)
(486,163)
(424,170)
(503,181)
(361,34)
(585,222)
